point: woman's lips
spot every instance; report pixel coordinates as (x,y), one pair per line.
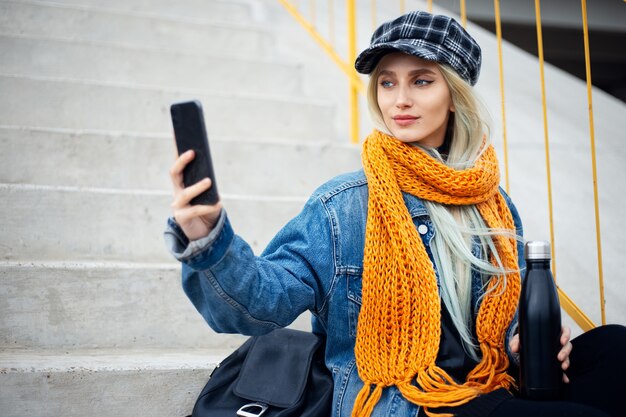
(405,120)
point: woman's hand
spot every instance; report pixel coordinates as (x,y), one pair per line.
(563,355)
(565,351)
(197,221)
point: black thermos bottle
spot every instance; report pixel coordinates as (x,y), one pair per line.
(539,327)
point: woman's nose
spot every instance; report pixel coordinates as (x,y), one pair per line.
(403,99)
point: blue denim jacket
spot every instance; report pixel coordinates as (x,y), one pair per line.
(314,263)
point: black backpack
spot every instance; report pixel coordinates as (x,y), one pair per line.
(280,374)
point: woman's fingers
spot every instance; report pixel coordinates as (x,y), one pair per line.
(567,346)
(185,214)
(198,220)
(565,351)
(176,171)
(565,364)
(514,343)
(564,355)
(184,196)
(566,333)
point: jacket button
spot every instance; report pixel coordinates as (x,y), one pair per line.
(422,229)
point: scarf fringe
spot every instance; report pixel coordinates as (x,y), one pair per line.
(366,400)
(436,389)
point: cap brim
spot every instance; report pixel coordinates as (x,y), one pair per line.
(369,58)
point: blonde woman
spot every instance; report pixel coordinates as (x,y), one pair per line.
(411,266)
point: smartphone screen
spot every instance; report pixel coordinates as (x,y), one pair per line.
(190,133)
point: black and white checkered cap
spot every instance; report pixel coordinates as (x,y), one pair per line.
(432,37)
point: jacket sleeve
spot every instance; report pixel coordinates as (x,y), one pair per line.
(238,292)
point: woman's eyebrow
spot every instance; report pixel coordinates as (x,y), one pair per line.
(411,73)
(422,71)
(386,72)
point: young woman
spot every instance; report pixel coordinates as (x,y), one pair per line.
(411,266)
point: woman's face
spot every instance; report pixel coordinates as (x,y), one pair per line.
(414,99)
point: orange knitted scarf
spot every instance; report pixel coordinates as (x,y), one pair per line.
(399,325)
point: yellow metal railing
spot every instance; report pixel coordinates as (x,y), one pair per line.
(593,159)
(545,130)
(496,8)
(356,86)
(354,92)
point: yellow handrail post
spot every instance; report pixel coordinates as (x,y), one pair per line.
(354,92)
(463,14)
(402,7)
(496,4)
(593,160)
(545,130)
(373,11)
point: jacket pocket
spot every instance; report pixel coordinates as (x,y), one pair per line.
(354,302)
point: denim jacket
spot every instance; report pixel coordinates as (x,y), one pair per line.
(314,263)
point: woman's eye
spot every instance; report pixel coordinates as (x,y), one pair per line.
(420,81)
(386,84)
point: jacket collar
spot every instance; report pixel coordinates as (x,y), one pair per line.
(415,205)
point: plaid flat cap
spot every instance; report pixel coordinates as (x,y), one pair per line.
(432,37)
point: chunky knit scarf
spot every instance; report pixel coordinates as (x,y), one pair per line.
(399,325)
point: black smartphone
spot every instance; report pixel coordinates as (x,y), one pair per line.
(190,133)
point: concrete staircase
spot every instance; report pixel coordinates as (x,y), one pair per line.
(93,320)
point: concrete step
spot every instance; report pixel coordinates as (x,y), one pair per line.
(43,102)
(51,20)
(155,383)
(64,305)
(270,168)
(212,10)
(40,57)
(86,305)
(87,224)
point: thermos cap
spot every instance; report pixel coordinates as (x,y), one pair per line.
(537,249)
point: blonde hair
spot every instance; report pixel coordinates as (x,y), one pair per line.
(456,227)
